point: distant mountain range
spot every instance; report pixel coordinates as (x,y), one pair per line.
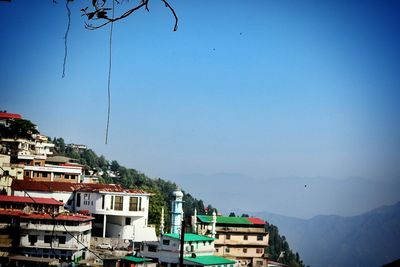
(369,239)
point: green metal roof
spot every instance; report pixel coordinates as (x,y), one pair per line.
(191,237)
(209,260)
(224,219)
(136,259)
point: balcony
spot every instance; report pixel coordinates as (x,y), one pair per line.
(57,228)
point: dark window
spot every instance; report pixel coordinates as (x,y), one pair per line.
(216,236)
(228,236)
(127,221)
(165,242)
(260,238)
(245,250)
(32,239)
(245,237)
(152,248)
(112,202)
(227,250)
(47,239)
(78,199)
(61,239)
(259,250)
(44,174)
(102,201)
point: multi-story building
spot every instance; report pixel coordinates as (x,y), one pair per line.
(8,172)
(240,238)
(40,227)
(53,173)
(118,212)
(197,249)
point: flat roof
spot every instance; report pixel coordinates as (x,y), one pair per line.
(136,259)
(191,237)
(209,260)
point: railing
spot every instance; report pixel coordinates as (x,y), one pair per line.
(57,228)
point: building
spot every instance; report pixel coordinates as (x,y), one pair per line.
(41,228)
(119,213)
(8,172)
(53,173)
(240,238)
(198,250)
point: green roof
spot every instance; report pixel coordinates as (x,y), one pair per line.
(136,259)
(209,260)
(224,219)
(191,237)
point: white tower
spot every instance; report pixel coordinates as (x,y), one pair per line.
(213,224)
(194,221)
(162,221)
(177,212)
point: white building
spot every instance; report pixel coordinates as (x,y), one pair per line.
(118,212)
(56,173)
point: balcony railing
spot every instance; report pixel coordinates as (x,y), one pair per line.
(57,228)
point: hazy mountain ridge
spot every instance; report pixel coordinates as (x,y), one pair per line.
(369,239)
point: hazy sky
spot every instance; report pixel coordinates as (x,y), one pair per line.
(258,88)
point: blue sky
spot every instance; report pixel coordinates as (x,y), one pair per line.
(260,89)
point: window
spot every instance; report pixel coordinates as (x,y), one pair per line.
(228,236)
(32,239)
(112,202)
(102,202)
(44,174)
(165,242)
(127,221)
(227,250)
(27,173)
(61,239)
(133,204)
(118,203)
(259,250)
(245,237)
(216,236)
(78,199)
(260,238)
(217,249)
(245,250)
(47,239)
(152,248)
(259,263)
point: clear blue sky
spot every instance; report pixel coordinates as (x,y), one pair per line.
(263,89)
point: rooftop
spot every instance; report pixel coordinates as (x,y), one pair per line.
(5,115)
(47,186)
(191,237)
(209,260)
(36,200)
(136,259)
(46,216)
(232,220)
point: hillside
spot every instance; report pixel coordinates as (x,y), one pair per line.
(369,239)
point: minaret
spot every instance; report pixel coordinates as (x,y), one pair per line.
(162,221)
(177,212)
(194,221)
(213,224)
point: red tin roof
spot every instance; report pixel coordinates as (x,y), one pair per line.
(37,200)
(256,220)
(47,186)
(46,216)
(5,115)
